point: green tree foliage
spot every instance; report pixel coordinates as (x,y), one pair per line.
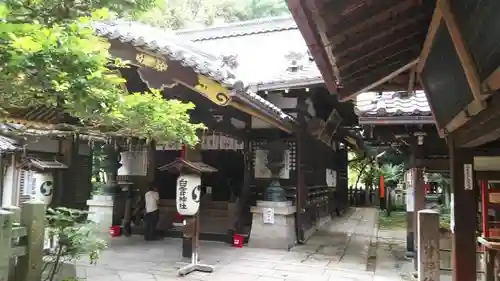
(50,56)
(176,14)
(74,238)
(366,170)
(393,174)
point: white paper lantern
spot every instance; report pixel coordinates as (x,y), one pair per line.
(188,194)
(44,187)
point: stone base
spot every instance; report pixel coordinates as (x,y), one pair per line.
(281,234)
(101,213)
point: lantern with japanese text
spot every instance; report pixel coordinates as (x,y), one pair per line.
(188,187)
(188,194)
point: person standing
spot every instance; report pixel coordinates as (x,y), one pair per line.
(152,213)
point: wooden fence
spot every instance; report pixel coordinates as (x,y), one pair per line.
(22,241)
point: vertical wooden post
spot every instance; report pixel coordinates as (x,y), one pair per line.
(464,217)
(5,243)
(428,251)
(29,267)
(410,208)
(246,191)
(419,203)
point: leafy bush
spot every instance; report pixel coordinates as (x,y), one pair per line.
(74,239)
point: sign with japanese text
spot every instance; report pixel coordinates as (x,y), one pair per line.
(268,215)
(468,177)
(188,194)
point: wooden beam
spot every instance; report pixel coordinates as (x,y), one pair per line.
(492,83)
(322,27)
(308,30)
(397,26)
(464,116)
(484,128)
(382,80)
(433,164)
(440,131)
(378,12)
(411,80)
(373,65)
(429,40)
(393,46)
(487,175)
(470,67)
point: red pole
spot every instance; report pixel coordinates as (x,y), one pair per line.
(484,207)
(382,187)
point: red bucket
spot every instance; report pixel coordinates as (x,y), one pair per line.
(115,231)
(238,240)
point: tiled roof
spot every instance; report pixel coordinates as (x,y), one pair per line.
(165,43)
(241,28)
(261,45)
(392,104)
(8,144)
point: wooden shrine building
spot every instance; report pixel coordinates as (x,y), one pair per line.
(447,48)
(246,125)
(274,61)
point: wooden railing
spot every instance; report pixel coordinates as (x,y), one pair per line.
(21,241)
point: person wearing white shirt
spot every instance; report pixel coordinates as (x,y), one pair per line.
(152,213)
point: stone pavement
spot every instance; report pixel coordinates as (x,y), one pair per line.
(338,252)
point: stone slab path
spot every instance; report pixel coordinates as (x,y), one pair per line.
(340,251)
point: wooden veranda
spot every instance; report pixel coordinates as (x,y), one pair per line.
(444,47)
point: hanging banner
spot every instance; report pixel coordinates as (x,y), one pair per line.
(43,184)
(188,194)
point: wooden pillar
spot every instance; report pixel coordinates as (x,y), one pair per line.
(246,191)
(410,245)
(301,188)
(428,252)
(463,213)
(418,202)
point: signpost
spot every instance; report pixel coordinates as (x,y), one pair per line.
(188,193)
(468,180)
